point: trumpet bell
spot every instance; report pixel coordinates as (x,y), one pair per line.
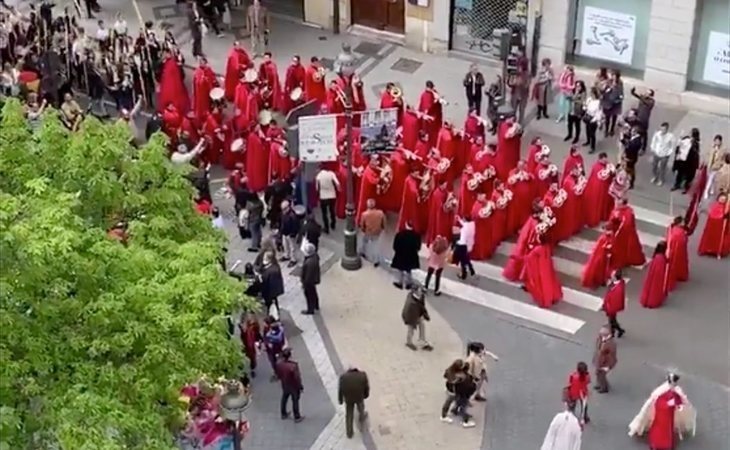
(265,117)
(319,75)
(250,76)
(237,145)
(396,92)
(296,94)
(217,94)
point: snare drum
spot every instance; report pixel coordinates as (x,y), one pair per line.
(217,96)
(296,95)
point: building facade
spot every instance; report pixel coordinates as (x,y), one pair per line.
(679,48)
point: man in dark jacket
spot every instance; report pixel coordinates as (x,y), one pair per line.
(312,230)
(354,389)
(275,194)
(643,112)
(414,315)
(632,147)
(406,245)
(289,231)
(474,84)
(272,283)
(291,384)
(310,278)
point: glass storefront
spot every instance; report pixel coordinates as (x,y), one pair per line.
(612,33)
(477,24)
(709,66)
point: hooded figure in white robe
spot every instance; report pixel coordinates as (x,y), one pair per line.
(564,432)
(685,417)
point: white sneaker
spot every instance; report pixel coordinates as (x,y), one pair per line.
(654,180)
(469,424)
(447,419)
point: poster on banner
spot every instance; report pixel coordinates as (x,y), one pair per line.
(717,59)
(608,35)
(378,128)
(318,138)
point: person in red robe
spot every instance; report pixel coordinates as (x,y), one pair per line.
(614,301)
(598,202)
(430,105)
(678,270)
(172,90)
(509,139)
(662,431)
(204,80)
(501,197)
(575,186)
(442,213)
(414,207)
(257,161)
(335,103)
(469,187)
(234,155)
(482,214)
(628,250)
(556,198)
(474,125)
(654,289)
(401,167)
(538,274)
(314,82)
(269,74)
(410,130)
(443,159)
(535,153)
(341,199)
(172,120)
(598,267)
(513,269)
(369,185)
(715,239)
(572,161)
(296,76)
(281,163)
(215,136)
(484,161)
(544,175)
(392,97)
(238,61)
(359,103)
(519,182)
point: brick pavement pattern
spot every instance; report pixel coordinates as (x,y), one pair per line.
(362,312)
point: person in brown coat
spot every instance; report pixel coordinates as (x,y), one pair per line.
(415,315)
(291,384)
(604,358)
(354,389)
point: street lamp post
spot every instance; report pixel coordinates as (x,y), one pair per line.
(234,402)
(345,68)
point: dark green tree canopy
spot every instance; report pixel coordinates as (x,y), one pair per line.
(97,336)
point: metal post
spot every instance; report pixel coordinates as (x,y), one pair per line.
(351,260)
(336,16)
(236,435)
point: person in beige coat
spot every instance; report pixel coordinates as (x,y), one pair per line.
(604,358)
(476,354)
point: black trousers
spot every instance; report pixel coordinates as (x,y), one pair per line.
(475,102)
(311,297)
(631,171)
(591,128)
(437,281)
(461,255)
(685,175)
(615,326)
(350,414)
(329,218)
(197,43)
(611,118)
(574,127)
(285,396)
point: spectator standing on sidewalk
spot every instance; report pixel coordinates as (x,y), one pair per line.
(274,342)
(353,389)
(438,253)
(612,99)
(593,117)
(662,147)
(686,160)
(272,282)
(714,160)
(414,316)
(542,92)
(327,186)
(406,245)
(576,111)
(604,359)
(372,224)
(644,108)
(459,387)
(310,278)
(475,358)
(474,85)
(312,231)
(566,84)
(291,384)
(289,231)
(255,211)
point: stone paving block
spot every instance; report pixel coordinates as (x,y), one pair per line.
(368,48)
(406,65)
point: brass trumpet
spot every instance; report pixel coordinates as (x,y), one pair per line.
(320,74)
(440,99)
(396,92)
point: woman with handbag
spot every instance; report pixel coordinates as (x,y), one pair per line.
(592,117)
(576,111)
(566,84)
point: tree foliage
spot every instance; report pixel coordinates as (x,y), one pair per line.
(97,337)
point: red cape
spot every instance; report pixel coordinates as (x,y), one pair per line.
(501,200)
(280,162)
(172,88)
(484,242)
(597,201)
(441,218)
(238,61)
(409,206)
(368,189)
(562,228)
(653,292)
(446,146)
(628,250)
(257,162)
(661,433)
(387,101)
(214,130)
(428,105)
(614,300)
(467,193)
(513,269)
(678,258)
(508,150)
(314,90)
(295,76)
(391,200)
(540,278)
(203,82)
(520,208)
(473,127)
(270,74)
(571,162)
(596,271)
(573,205)
(713,241)
(171,121)
(531,161)
(411,126)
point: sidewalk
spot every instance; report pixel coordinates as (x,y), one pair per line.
(362,312)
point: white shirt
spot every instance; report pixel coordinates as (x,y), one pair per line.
(327,185)
(685,145)
(662,144)
(102,34)
(466,234)
(120,26)
(593,109)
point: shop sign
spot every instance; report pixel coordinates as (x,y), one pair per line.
(717,59)
(608,35)
(318,138)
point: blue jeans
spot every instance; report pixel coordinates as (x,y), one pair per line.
(564,104)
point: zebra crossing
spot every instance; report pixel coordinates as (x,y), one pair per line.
(568,259)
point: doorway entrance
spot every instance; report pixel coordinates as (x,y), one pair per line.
(386,15)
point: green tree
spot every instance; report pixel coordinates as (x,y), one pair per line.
(96,336)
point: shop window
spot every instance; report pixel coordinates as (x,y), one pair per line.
(610,33)
(709,65)
(477,25)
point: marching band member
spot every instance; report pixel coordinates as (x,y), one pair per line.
(446,145)
(501,197)
(431,104)
(474,125)
(598,200)
(677,255)
(535,152)
(539,277)
(216,135)
(392,97)
(597,269)
(482,213)
(172,88)
(336,103)
(269,74)
(369,184)
(628,250)
(411,128)
(544,175)
(294,83)
(555,199)
(513,269)
(574,185)
(483,160)
(281,163)
(238,61)
(172,120)
(519,182)
(257,160)
(314,82)
(509,140)
(442,213)
(204,80)
(414,210)
(358,98)
(573,160)
(715,239)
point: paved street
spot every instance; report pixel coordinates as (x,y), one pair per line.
(360,321)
